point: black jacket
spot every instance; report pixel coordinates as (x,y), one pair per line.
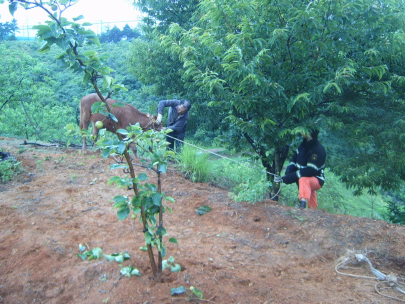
(177,123)
(308,160)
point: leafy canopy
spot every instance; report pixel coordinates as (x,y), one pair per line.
(279,67)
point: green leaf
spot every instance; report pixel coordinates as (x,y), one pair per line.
(161,231)
(198,293)
(107,80)
(120,199)
(178,290)
(122,214)
(83,256)
(12,8)
(122,131)
(129,271)
(173,240)
(143,177)
(114,179)
(97,252)
(98,107)
(148,237)
(118,257)
(203,210)
(44,49)
(170,199)
(157,199)
(78,18)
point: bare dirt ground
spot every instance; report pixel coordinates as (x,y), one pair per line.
(237,253)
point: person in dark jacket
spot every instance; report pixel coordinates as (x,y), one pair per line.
(307,169)
(177,120)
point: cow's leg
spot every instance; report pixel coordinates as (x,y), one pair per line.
(84,125)
(134,149)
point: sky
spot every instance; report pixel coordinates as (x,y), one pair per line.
(102,13)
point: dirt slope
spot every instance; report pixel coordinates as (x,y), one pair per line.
(237,253)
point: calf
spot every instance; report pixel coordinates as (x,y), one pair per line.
(127,115)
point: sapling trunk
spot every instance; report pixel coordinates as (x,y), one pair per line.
(160,222)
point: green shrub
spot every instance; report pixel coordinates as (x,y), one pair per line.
(9,168)
(396,213)
(194,163)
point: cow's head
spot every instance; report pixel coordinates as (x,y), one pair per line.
(156,126)
(153,124)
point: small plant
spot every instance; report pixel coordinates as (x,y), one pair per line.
(193,293)
(118,257)
(170,264)
(39,165)
(93,254)
(194,164)
(147,199)
(9,168)
(251,191)
(129,271)
(396,213)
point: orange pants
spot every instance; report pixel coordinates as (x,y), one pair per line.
(307,190)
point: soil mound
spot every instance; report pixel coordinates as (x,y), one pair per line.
(237,253)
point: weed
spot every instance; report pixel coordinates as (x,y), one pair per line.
(194,164)
(39,165)
(9,168)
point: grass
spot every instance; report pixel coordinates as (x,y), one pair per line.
(246,181)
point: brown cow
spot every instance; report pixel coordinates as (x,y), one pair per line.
(126,115)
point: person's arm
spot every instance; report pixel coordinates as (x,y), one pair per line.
(167,103)
(292,167)
(179,124)
(162,105)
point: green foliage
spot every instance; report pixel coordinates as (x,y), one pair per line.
(204,209)
(116,35)
(8,30)
(129,271)
(170,264)
(246,181)
(194,164)
(194,292)
(117,257)
(396,213)
(94,254)
(162,13)
(251,190)
(153,66)
(278,67)
(8,169)
(147,199)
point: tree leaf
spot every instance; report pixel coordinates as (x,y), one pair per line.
(203,210)
(122,214)
(173,240)
(177,291)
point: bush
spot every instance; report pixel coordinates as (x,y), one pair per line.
(194,164)
(396,213)
(8,167)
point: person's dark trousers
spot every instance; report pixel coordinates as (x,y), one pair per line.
(171,141)
(174,143)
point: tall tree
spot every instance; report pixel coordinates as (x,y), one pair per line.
(278,67)
(162,13)
(8,30)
